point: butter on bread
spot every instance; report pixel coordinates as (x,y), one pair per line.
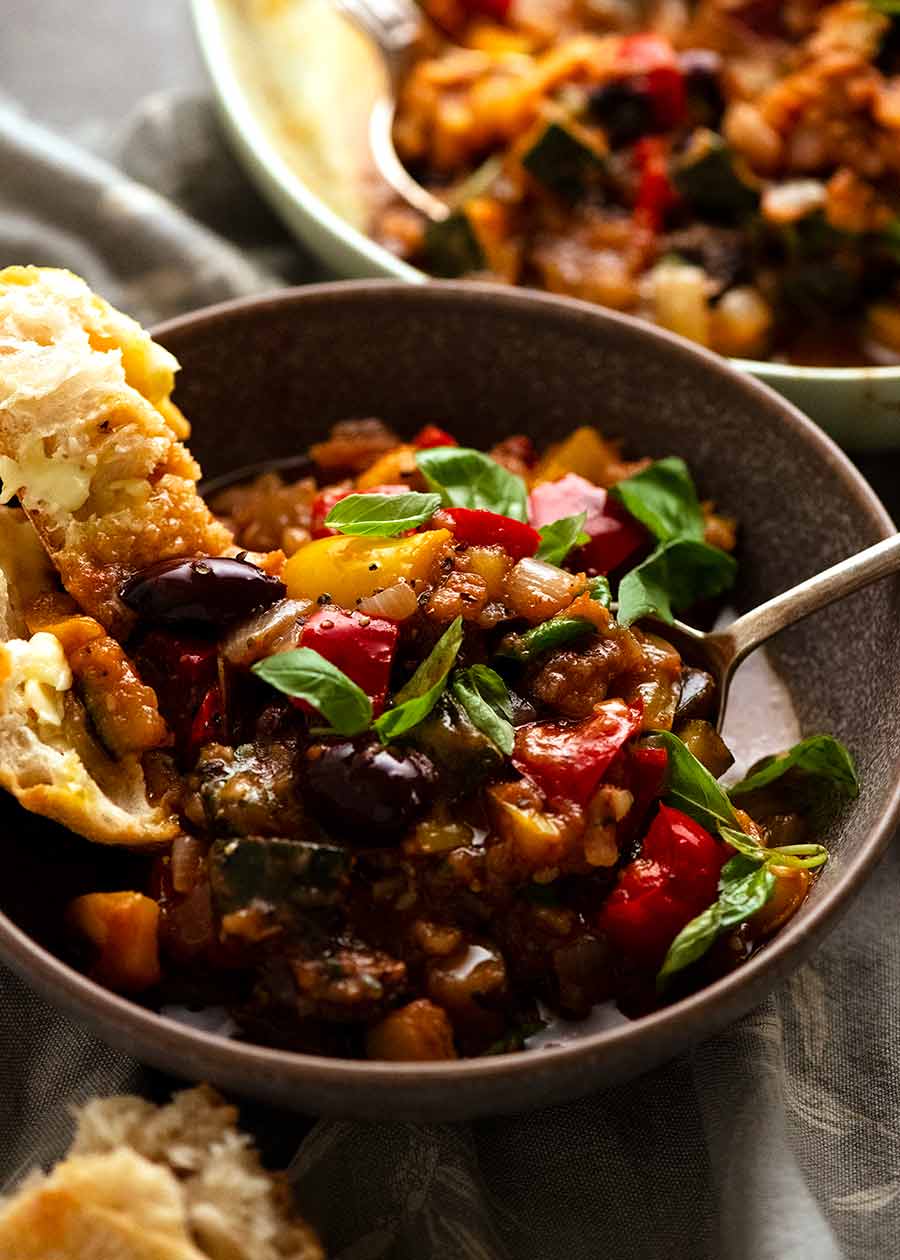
(50,758)
(141,1182)
(90,439)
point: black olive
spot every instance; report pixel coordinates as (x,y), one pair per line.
(702,68)
(207,592)
(367,793)
(624,108)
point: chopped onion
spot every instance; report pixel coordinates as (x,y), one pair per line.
(396,603)
(187,861)
(793,200)
(275,630)
(536,590)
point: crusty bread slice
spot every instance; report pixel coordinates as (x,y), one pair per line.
(49,758)
(89,439)
(177,1182)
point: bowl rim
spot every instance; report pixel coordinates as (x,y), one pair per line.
(151,1031)
(289,189)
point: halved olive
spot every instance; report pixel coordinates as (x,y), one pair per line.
(207,592)
(368,793)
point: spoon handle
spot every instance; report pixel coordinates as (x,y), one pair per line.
(756,627)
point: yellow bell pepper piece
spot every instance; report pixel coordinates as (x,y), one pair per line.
(394,467)
(583,451)
(348,569)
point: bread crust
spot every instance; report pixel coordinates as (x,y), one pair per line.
(156,1183)
(49,758)
(90,440)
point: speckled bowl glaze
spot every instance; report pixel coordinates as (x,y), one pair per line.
(262,378)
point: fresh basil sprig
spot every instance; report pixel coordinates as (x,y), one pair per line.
(307,675)
(464,477)
(683,568)
(382,515)
(691,788)
(821,757)
(559,537)
(741,894)
(798,856)
(663,498)
(484,696)
(415,701)
(674,576)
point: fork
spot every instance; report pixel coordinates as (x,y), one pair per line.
(393,26)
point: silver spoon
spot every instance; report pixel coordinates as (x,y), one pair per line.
(721,651)
(393,25)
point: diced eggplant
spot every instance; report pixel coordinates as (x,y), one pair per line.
(704,741)
(563,161)
(702,70)
(452,247)
(624,109)
(464,755)
(722,253)
(275,876)
(249,790)
(698,695)
(705,175)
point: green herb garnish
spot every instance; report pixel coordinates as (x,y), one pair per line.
(306,675)
(663,498)
(675,576)
(416,700)
(382,515)
(467,478)
(559,537)
(484,696)
(820,757)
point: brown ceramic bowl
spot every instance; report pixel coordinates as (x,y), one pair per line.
(264,377)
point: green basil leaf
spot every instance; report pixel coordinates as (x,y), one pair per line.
(551,634)
(676,575)
(305,674)
(743,843)
(484,696)
(690,787)
(559,537)
(737,867)
(663,498)
(382,515)
(467,478)
(599,589)
(739,898)
(804,856)
(821,757)
(415,701)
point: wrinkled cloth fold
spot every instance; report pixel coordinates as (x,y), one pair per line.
(779,1139)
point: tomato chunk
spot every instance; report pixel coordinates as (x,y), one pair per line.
(652,60)
(432,435)
(568,762)
(614,535)
(656,193)
(675,878)
(479,528)
(363,647)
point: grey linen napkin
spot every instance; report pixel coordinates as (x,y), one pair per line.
(777,1140)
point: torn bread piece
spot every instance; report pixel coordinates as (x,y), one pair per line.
(89,439)
(51,758)
(141,1182)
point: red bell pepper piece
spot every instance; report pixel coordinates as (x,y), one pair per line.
(656,193)
(675,879)
(181,671)
(432,435)
(613,532)
(326,499)
(569,762)
(480,528)
(363,647)
(498,10)
(645,776)
(208,724)
(652,60)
